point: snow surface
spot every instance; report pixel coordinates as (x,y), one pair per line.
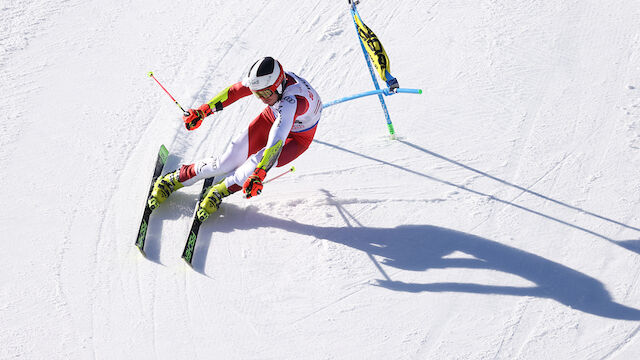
(504,223)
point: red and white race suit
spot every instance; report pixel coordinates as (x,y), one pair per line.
(292,120)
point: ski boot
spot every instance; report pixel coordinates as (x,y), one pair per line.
(163,187)
(212,200)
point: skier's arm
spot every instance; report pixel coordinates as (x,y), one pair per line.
(290,108)
(228,96)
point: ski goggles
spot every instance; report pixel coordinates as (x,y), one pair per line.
(263,94)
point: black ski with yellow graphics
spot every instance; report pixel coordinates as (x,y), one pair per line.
(163,154)
(189,247)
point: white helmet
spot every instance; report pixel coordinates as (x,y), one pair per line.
(265,77)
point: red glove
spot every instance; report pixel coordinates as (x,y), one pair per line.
(253,186)
(194,119)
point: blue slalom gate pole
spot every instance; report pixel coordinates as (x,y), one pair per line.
(354,12)
(379,92)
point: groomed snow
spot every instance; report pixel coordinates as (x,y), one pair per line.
(504,223)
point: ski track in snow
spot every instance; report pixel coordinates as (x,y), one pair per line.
(622,343)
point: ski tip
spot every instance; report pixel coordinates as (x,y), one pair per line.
(163,153)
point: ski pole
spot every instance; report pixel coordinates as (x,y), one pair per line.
(186,113)
(292,169)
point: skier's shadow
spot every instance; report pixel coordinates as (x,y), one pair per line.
(177,207)
(423,247)
(631,245)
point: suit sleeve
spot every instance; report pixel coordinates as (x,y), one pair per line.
(228,96)
(289,109)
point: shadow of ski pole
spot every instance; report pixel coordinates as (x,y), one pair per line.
(492,197)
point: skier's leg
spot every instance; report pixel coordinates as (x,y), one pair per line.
(235,180)
(188,175)
(294,146)
(245,144)
(252,140)
(234,156)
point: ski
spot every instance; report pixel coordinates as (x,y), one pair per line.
(163,154)
(189,247)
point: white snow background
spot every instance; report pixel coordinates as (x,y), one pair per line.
(504,223)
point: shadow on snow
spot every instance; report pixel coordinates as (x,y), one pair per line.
(423,247)
(631,245)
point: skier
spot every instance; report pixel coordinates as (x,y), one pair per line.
(281,133)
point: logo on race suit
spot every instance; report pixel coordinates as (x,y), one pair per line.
(289,99)
(310,95)
(278,121)
(306,84)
